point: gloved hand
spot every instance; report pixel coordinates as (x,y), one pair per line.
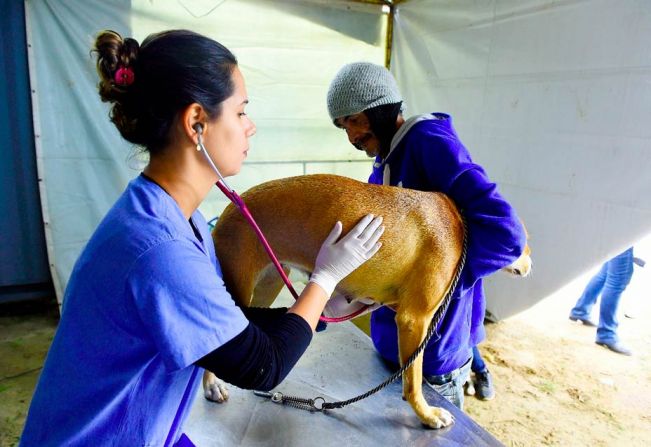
(336,260)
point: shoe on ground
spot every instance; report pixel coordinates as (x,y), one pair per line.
(484,386)
(615,346)
(584,321)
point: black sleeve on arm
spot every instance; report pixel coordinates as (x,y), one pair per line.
(257,359)
(265,318)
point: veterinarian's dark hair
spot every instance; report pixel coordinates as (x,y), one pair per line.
(149,84)
(382,120)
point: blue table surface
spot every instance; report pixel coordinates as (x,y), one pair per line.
(339,364)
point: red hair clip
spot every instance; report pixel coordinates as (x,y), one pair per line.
(124,76)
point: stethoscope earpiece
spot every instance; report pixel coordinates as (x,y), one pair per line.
(198,127)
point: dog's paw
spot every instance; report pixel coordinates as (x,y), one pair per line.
(438,418)
(215,390)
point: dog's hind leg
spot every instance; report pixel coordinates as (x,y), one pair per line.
(412,325)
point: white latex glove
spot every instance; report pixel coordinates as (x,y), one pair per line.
(336,260)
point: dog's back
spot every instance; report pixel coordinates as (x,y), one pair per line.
(423,233)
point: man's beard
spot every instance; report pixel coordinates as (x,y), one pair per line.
(385,145)
(382,120)
(369,152)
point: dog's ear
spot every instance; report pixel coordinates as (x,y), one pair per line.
(524,227)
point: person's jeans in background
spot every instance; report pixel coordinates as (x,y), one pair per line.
(611,281)
(478,364)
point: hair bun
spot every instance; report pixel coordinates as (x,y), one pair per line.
(115,53)
(116,62)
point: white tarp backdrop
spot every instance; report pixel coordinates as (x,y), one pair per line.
(287,51)
(553,98)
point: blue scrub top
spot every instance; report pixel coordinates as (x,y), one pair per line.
(145,301)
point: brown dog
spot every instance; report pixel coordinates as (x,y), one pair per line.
(421,248)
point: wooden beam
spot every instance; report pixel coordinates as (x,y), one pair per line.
(389,42)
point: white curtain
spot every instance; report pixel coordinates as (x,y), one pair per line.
(553,98)
(288,52)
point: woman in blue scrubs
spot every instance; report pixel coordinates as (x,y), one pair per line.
(146,306)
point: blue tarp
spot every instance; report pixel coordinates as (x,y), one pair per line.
(23,262)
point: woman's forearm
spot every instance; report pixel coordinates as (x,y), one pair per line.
(310,304)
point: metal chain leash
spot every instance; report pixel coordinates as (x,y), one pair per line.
(319,404)
(301,403)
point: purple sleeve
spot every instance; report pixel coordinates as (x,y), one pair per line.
(495,235)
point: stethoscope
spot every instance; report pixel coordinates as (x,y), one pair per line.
(239,203)
(200,147)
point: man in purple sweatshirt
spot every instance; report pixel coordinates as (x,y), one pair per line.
(424,153)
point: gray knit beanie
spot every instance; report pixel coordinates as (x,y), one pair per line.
(360,86)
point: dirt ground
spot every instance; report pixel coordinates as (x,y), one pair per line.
(26,331)
(554,385)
